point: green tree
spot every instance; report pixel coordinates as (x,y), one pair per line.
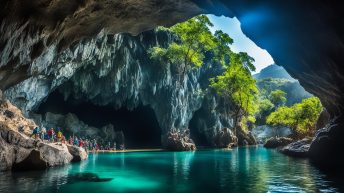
(194,40)
(278,97)
(265,107)
(237,86)
(300,117)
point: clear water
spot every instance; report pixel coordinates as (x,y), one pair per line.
(241,170)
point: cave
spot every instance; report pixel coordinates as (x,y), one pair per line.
(139,125)
(196,132)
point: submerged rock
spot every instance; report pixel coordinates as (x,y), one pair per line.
(179,141)
(275,142)
(86,177)
(298,148)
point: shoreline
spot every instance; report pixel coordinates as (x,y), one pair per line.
(160,150)
(127,150)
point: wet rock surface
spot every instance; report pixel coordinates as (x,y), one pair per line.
(297,149)
(275,142)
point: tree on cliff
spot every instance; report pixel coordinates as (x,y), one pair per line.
(194,39)
(300,117)
(238,88)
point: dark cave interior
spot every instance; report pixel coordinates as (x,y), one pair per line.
(199,137)
(140,126)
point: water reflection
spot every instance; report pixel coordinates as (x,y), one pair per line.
(239,170)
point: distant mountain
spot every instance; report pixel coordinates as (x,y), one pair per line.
(275,77)
(273,71)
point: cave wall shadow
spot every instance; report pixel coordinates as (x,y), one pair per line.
(196,133)
(140,126)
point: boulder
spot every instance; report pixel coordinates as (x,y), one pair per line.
(245,138)
(298,148)
(20,152)
(225,139)
(78,153)
(275,142)
(34,161)
(178,141)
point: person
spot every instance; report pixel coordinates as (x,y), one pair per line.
(43,133)
(59,135)
(114,146)
(35,133)
(70,141)
(76,141)
(51,134)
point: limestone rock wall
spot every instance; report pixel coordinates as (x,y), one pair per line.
(116,71)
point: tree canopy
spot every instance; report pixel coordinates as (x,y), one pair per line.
(238,86)
(278,97)
(194,40)
(300,117)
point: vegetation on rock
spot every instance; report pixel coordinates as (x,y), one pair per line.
(300,117)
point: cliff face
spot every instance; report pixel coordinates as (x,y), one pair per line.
(116,71)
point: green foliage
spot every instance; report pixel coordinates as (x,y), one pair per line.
(195,38)
(238,86)
(301,117)
(278,97)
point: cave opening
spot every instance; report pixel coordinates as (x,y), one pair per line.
(140,126)
(196,133)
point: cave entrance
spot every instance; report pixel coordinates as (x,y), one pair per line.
(140,126)
(196,133)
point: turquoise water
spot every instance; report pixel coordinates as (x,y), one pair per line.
(253,169)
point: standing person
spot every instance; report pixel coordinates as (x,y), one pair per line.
(35,133)
(70,140)
(43,133)
(59,135)
(51,134)
(76,141)
(114,146)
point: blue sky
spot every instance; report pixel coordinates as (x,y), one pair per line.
(231,26)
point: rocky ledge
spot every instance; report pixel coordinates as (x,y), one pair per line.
(275,142)
(298,148)
(20,152)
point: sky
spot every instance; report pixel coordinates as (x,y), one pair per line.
(231,26)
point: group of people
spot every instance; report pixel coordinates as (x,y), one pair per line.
(53,136)
(48,135)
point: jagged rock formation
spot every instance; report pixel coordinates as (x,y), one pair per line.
(225,139)
(20,152)
(178,140)
(306,38)
(115,70)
